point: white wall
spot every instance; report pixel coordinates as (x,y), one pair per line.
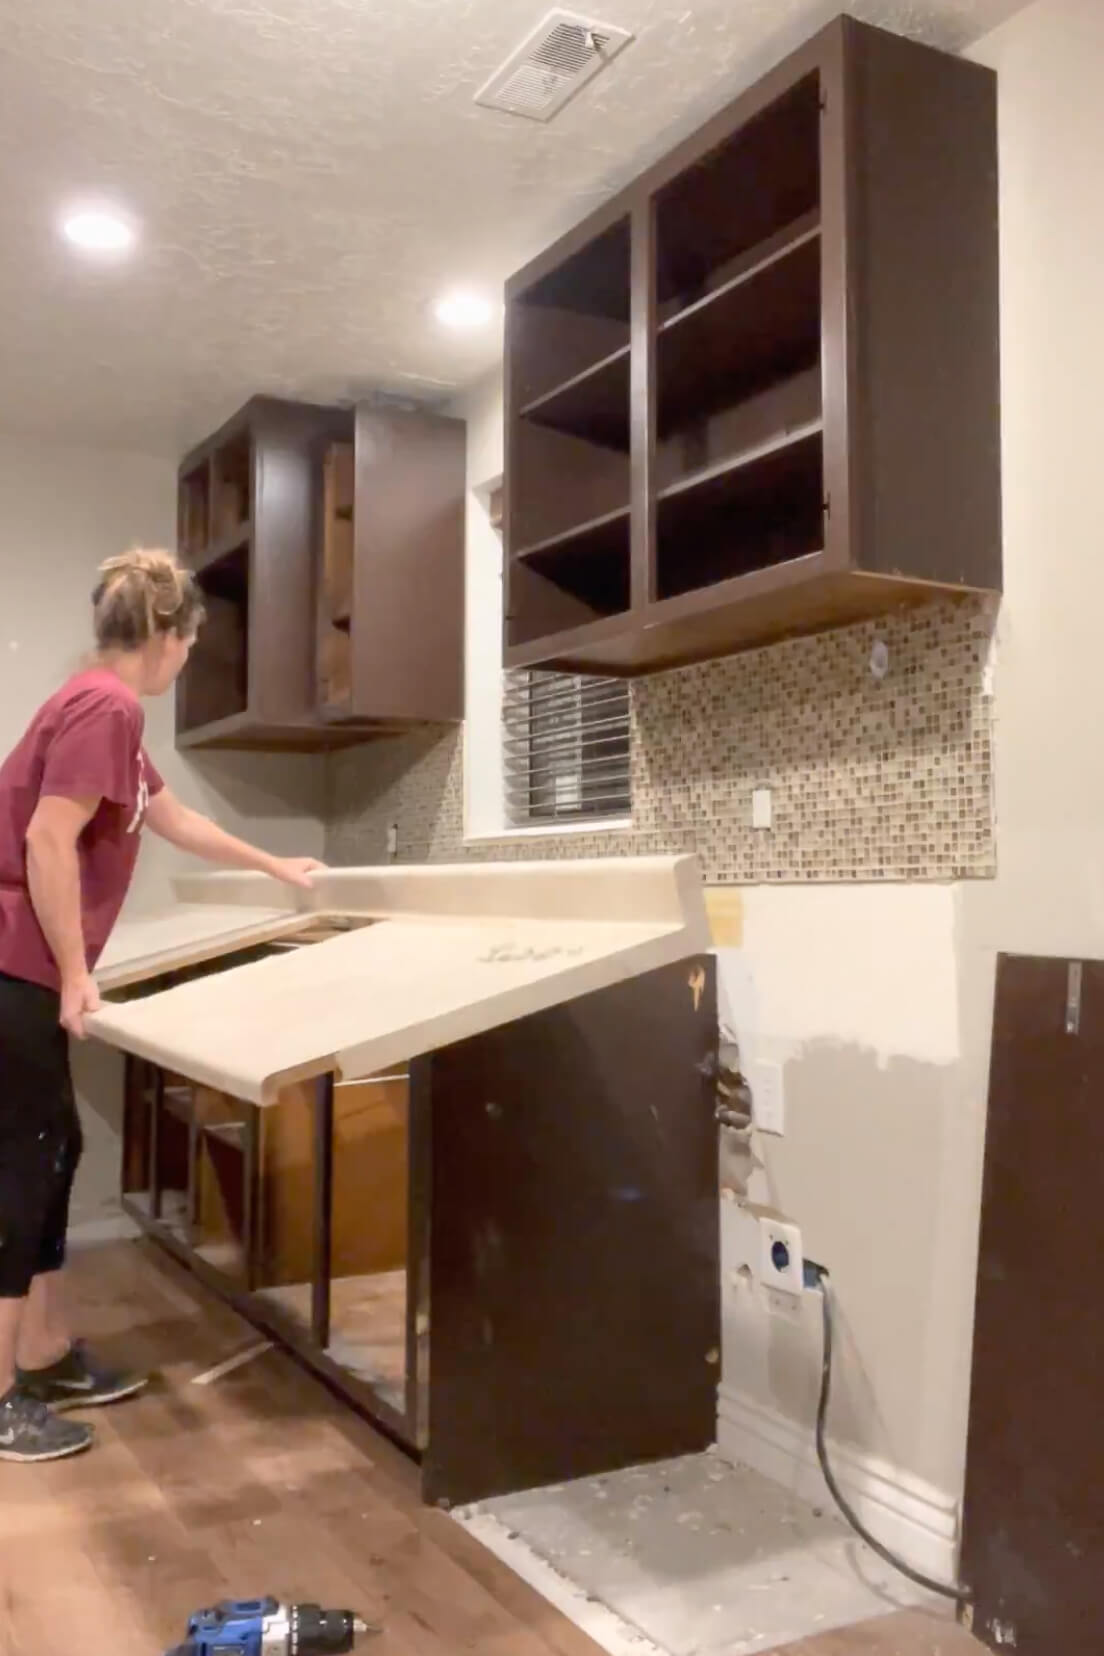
(1049,894)
(1050,778)
(484,808)
(854,991)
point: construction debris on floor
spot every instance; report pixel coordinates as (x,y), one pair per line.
(694,1557)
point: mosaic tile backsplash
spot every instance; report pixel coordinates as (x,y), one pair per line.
(871,777)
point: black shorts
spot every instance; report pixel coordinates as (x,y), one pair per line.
(40,1135)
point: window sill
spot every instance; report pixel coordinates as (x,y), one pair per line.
(553,830)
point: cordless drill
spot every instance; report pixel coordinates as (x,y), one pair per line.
(264,1627)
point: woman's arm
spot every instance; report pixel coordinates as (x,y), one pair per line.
(53,879)
(190,831)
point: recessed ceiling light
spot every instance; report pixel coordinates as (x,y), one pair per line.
(98,230)
(463,310)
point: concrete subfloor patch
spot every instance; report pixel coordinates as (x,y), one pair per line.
(692,1557)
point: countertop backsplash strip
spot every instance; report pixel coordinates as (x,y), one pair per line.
(875,744)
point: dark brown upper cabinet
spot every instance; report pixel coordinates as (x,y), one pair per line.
(329,544)
(757,395)
(391,612)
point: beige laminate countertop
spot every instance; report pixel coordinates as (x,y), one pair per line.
(449,952)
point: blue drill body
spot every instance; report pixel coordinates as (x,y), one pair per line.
(265,1627)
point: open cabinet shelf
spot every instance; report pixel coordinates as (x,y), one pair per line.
(595,535)
(761,326)
(730,415)
(592,405)
(748,511)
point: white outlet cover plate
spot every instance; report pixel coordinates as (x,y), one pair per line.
(783,1304)
(790,1279)
(768,1098)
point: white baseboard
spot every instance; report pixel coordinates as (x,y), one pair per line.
(911,1517)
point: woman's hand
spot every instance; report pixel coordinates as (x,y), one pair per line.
(296,871)
(79,997)
(189,831)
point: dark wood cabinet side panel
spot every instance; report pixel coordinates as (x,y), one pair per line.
(1033,1537)
(408,593)
(924,301)
(574,1240)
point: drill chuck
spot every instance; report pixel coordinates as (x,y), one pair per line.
(318,1632)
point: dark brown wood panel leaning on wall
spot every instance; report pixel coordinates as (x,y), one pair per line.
(1033,1549)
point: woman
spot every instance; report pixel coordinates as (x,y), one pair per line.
(74,796)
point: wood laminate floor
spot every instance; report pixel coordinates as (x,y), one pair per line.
(902,1635)
(261,1482)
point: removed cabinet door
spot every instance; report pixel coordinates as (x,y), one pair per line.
(1033,1548)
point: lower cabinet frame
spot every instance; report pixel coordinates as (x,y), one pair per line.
(562,1254)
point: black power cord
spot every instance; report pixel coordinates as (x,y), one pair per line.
(961,1594)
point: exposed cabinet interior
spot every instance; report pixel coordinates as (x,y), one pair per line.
(370,1224)
(237,1188)
(215,684)
(739,200)
(569,491)
(248,516)
(336,609)
(232,489)
(226,1171)
(193,516)
(729,416)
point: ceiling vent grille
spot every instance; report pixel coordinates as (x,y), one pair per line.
(557,60)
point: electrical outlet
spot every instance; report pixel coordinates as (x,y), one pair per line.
(761,808)
(768,1098)
(781,1262)
(393,840)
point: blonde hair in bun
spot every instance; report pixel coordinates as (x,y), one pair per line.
(142,595)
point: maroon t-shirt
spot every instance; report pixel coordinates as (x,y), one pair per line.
(84,743)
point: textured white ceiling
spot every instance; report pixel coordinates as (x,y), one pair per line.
(309,174)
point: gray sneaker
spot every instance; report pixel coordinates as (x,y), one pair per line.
(29,1432)
(78,1381)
